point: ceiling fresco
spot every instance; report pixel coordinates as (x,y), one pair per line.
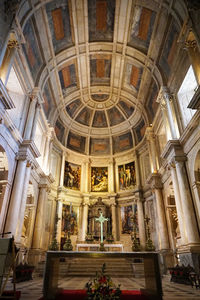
(100,65)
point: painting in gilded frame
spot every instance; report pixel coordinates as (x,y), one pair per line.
(127,178)
(127,214)
(99,179)
(69,219)
(72,176)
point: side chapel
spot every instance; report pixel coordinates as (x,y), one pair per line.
(99,113)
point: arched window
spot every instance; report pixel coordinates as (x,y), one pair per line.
(185,94)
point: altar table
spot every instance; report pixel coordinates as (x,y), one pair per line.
(95,247)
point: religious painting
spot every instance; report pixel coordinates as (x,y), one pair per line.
(129,218)
(101,14)
(72,176)
(142,27)
(122,142)
(69,220)
(31,49)
(59,24)
(76,142)
(127,178)
(99,179)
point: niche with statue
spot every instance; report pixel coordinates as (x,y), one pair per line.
(94,228)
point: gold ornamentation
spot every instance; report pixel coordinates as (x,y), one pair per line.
(13,44)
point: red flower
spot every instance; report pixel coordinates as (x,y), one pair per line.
(102,279)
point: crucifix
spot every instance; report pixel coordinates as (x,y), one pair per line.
(101,219)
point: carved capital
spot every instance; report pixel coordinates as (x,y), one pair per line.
(13,44)
(155,181)
(192,44)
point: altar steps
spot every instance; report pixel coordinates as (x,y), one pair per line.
(87,268)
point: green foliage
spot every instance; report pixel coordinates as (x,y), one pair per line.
(102,287)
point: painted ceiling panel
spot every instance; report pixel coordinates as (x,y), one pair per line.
(127,108)
(152,105)
(133,76)
(99,119)
(72,107)
(101,19)
(115,117)
(100,69)
(48,104)
(59,23)
(84,116)
(31,49)
(59,130)
(76,142)
(140,131)
(99,97)
(122,142)
(99,146)
(169,51)
(142,27)
(68,78)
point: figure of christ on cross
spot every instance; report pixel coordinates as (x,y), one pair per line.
(101,219)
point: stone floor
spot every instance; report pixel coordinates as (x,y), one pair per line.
(32,290)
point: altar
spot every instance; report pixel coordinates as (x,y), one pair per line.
(96,247)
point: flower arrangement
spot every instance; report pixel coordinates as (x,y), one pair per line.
(102,287)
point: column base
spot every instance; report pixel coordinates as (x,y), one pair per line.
(35,256)
(190,255)
(166,260)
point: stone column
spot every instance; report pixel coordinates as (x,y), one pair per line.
(111,177)
(194,54)
(8,58)
(87,165)
(59,223)
(167,98)
(187,204)
(141,225)
(85,217)
(39,231)
(62,169)
(152,149)
(178,204)
(156,185)
(23,203)
(137,171)
(165,120)
(35,120)
(46,152)
(30,118)
(16,196)
(114,219)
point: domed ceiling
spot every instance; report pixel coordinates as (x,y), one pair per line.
(100,65)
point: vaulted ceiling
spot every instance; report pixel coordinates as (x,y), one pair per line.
(100,65)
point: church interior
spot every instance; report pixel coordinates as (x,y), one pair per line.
(100,128)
